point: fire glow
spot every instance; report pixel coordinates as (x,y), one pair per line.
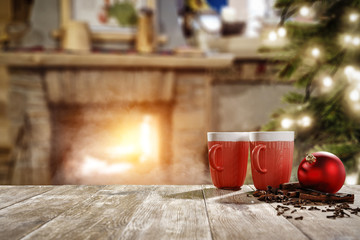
(139,145)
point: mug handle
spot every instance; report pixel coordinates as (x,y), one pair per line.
(255,156)
(212,153)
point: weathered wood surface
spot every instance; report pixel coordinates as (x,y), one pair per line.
(105,215)
(20,219)
(10,195)
(234,215)
(316,225)
(158,212)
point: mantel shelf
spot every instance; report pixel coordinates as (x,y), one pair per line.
(21,59)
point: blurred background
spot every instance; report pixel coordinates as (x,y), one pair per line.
(124,91)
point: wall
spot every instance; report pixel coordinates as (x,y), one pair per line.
(244,106)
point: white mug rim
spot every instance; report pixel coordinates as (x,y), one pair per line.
(269,136)
(228,136)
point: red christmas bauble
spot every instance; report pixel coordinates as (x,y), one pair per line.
(322,171)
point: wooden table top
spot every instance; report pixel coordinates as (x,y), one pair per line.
(159,212)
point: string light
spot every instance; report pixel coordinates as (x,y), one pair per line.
(356,107)
(352,74)
(315,52)
(353,17)
(272,36)
(281,32)
(304,11)
(349,69)
(327,81)
(356,76)
(347,39)
(354,95)
(356,41)
(286,123)
(305,121)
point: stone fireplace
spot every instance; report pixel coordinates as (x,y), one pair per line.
(112,143)
(110,123)
(120,129)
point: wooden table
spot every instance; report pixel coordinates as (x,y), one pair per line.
(159,212)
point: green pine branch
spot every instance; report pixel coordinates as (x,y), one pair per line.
(334,128)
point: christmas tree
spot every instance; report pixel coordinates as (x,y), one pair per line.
(322,57)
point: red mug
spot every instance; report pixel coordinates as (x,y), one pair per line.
(228,157)
(271,158)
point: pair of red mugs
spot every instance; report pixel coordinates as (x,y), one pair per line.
(271,155)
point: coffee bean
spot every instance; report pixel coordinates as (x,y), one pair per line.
(300,198)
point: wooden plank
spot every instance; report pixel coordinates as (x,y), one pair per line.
(112,60)
(170,212)
(101,217)
(158,212)
(316,225)
(21,218)
(234,215)
(355,189)
(10,195)
(133,212)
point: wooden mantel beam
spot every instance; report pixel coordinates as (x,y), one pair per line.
(21,59)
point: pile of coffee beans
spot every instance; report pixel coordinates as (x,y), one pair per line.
(293,197)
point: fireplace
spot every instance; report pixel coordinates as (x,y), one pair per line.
(106,125)
(110,144)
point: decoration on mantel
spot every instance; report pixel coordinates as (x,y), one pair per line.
(200,23)
(322,59)
(145,36)
(14,24)
(76,37)
(230,24)
(123,12)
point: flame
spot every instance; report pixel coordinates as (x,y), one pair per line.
(144,144)
(92,165)
(121,150)
(137,145)
(145,138)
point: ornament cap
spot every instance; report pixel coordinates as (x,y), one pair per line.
(310,158)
